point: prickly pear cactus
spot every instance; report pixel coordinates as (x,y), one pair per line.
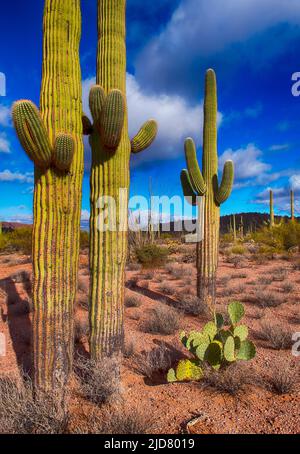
(214,346)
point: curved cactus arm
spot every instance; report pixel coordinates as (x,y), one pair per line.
(32,133)
(96,102)
(63,152)
(87,126)
(187,188)
(145,137)
(112,119)
(195,174)
(226,185)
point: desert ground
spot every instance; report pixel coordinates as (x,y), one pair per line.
(261,396)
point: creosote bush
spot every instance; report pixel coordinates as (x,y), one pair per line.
(279,337)
(19,240)
(132,301)
(162,320)
(152,255)
(231,381)
(155,361)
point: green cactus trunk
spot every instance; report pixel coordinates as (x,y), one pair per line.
(206,185)
(272,219)
(234,228)
(111,151)
(53,140)
(292,206)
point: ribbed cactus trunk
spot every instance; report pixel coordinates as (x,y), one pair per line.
(292,206)
(272,219)
(57,193)
(205,184)
(234,228)
(109,174)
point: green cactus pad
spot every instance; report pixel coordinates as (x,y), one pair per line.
(213,354)
(187,188)
(211,330)
(236,312)
(188,370)
(229,349)
(112,119)
(247,351)
(145,137)
(171,377)
(96,102)
(63,152)
(241,332)
(87,127)
(201,350)
(32,133)
(219,320)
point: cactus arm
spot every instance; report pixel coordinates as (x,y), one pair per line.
(193,167)
(224,191)
(145,137)
(63,152)
(32,133)
(187,188)
(112,119)
(96,102)
(87,126)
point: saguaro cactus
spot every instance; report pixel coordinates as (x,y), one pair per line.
(272,219)
(52,138)
(292,206)
(205,184)
(111,151)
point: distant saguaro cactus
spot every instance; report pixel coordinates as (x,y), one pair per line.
(52,138)
(272,219)
(292,206)
(111,151)
(205,184)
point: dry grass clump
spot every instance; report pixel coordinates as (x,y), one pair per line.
(288,287)
(134,266)
(224,280)
(265,298)
(156,361)
(99,381)
(166,288)
(177,271)
(282,378)
(162,320)
(21,414)
(21,277)
(279,337)
(117,421)
(132,301)
(191,304)
(237,261)
(149,275)
(231,380)
(128,349)
(265,280)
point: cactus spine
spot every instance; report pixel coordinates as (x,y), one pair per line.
(272,221)
(52,138)
(292,206)
(111,151)
(205,184)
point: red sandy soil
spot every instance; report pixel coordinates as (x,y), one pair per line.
(171,406)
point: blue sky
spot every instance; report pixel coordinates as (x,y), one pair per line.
(253,45)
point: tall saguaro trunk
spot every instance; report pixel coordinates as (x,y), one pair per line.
(197,183)
(53,140)
(292,206)
(272,219)
(111,151)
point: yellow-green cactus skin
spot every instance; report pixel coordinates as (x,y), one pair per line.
(272,219)
(205,184)
(111,152)
(292,206)
(52,138)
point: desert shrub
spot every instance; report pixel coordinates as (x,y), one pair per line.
(151,255)
(128,349)
(132,301)
(281,378)
(149,275)
(134,266)
(21,277)
(177,271)
(162,320)
(280,238)
(84,239)
(191,304)
(99,380)
(265,280)
(288,287)
(279,337)
(166,288)
(155,361)
(238,276)
(21,414)
(264,298)
(238,249)
(231,381)
(237,261)
(19,240)
(224,280)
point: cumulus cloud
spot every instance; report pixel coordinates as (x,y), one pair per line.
(4,143)
(177,119)
(8,176)
(5,115)
(279,147)
(221,25)
(248,162)
(282,199)
(295,182)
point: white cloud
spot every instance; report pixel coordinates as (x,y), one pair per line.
(248,162)
(282,201)
(201,28)
(5,115)
(85,215)
(176,119)
(295,182)
(279,147)
(8,176)
(4,143)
